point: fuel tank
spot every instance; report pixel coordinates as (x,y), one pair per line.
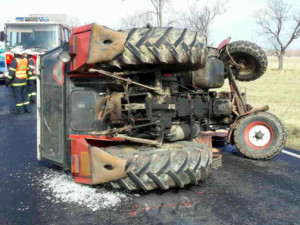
(211,76)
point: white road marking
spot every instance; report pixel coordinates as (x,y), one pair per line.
(290,153)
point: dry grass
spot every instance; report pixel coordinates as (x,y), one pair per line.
(281,91)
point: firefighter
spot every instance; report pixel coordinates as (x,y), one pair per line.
(31,81)
(31,87)
(17,79)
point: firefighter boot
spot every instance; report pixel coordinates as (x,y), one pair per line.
(27,108)
(32,100)
(18,110)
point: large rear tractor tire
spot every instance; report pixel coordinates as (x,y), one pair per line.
(172,165)
(259,136)
(253,58)
(169,49)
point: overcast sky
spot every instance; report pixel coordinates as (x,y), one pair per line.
(238,22)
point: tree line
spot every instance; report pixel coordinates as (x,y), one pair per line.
(278,23)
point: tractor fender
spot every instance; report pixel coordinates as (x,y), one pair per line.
(223,44)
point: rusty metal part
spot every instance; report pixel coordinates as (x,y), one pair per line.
(260,109)
(106,167)
(100,106)
(238,101)
(139,140)
(123,129)
(127,80)
(206,138)
(112,131)
(234,63)
(113,108)
(238,107)
(105,44)
(134,106)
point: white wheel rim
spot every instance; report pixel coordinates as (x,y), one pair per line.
(259,142)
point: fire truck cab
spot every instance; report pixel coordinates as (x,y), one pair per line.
(38,34)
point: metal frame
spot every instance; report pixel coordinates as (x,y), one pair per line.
(38,124)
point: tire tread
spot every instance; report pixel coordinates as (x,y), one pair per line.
(166,169)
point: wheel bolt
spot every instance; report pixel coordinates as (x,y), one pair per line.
(259,135)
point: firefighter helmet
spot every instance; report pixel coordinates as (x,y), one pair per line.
(30,52)
(18,50)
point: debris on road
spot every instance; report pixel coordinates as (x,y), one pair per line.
(63,189)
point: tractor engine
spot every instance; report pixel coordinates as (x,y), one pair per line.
(153,107)
(177,113)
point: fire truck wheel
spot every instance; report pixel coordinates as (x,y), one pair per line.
(250,55)
(172,165)
(259,136)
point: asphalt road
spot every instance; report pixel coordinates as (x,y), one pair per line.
(242,191)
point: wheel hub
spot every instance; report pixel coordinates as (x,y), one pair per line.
(247,62)
(259,135)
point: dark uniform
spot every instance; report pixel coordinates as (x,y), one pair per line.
(17,78)
(31,80)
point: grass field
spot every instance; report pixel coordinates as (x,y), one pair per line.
(281,91)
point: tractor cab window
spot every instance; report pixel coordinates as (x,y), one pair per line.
(32,36)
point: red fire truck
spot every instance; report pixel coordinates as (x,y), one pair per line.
(37,34)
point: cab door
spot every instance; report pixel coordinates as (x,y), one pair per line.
(51,108)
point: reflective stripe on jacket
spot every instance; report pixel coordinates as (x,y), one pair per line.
(31,75)
(21,71)
(16,75)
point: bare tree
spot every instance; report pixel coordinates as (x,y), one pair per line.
(137,19)
(159,9)
(73,22)
(201,17)
(279,26)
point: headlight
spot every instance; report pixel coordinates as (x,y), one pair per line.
(64,57)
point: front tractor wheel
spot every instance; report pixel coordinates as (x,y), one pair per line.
(251,56)
(259,136)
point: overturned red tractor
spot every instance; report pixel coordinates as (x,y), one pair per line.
(128,108)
